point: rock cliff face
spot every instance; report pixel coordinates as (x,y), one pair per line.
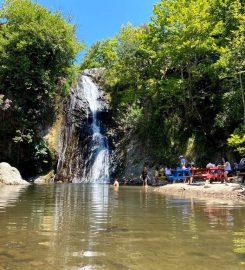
(74,135)
(127,154)
(77,131)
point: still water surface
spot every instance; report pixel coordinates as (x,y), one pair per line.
(98,227)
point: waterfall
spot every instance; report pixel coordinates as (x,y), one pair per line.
(83,146)
(97,169)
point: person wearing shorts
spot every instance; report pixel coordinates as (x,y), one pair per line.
(227,167)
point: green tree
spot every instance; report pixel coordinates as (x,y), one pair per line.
(177,80)
(37,51)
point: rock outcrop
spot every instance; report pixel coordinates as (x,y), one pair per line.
(10,175)
(127,152)
(129,155)
(44,179)
(76,133)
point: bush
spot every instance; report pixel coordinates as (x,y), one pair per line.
(37,51)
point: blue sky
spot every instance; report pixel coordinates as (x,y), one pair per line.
(99,19)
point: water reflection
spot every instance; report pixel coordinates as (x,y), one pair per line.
(239,244)
(99,227)
(144,197)
(10,194)
(219,216)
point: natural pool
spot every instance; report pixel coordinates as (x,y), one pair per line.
(78,226)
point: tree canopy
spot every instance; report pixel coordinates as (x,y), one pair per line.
(175,80)
(37,52)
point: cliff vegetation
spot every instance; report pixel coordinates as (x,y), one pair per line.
(37,52)
(177,81)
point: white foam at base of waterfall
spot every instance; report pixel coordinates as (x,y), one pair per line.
(99,171)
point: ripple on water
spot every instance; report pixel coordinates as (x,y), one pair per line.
(88,254)
(83,227)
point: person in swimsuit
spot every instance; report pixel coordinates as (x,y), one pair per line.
(116,183)
(144,176)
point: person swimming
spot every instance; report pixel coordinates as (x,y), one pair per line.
(116,183)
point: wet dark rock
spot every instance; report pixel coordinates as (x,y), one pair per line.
(97,74)
(76,134)
(127,154)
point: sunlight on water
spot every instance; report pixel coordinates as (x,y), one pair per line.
(100,227)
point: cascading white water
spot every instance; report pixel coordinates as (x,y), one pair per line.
(98,159)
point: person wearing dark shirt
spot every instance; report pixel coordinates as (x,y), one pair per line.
(144,176)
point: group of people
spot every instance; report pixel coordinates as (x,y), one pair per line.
(225,164)
(144,178)
(163,172)
(159,174)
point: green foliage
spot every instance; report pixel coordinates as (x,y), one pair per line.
(131,118)
(177,76)
(22,136)
(101,54)
(37,51)
(71,78)
(231,112)
(237,140)
(41,152)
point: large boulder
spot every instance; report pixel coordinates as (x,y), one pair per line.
(10,175)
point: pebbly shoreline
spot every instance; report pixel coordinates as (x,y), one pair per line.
(229,191)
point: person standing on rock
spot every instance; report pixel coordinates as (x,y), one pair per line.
(144,176)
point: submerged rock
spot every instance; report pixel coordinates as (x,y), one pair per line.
(10,175)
